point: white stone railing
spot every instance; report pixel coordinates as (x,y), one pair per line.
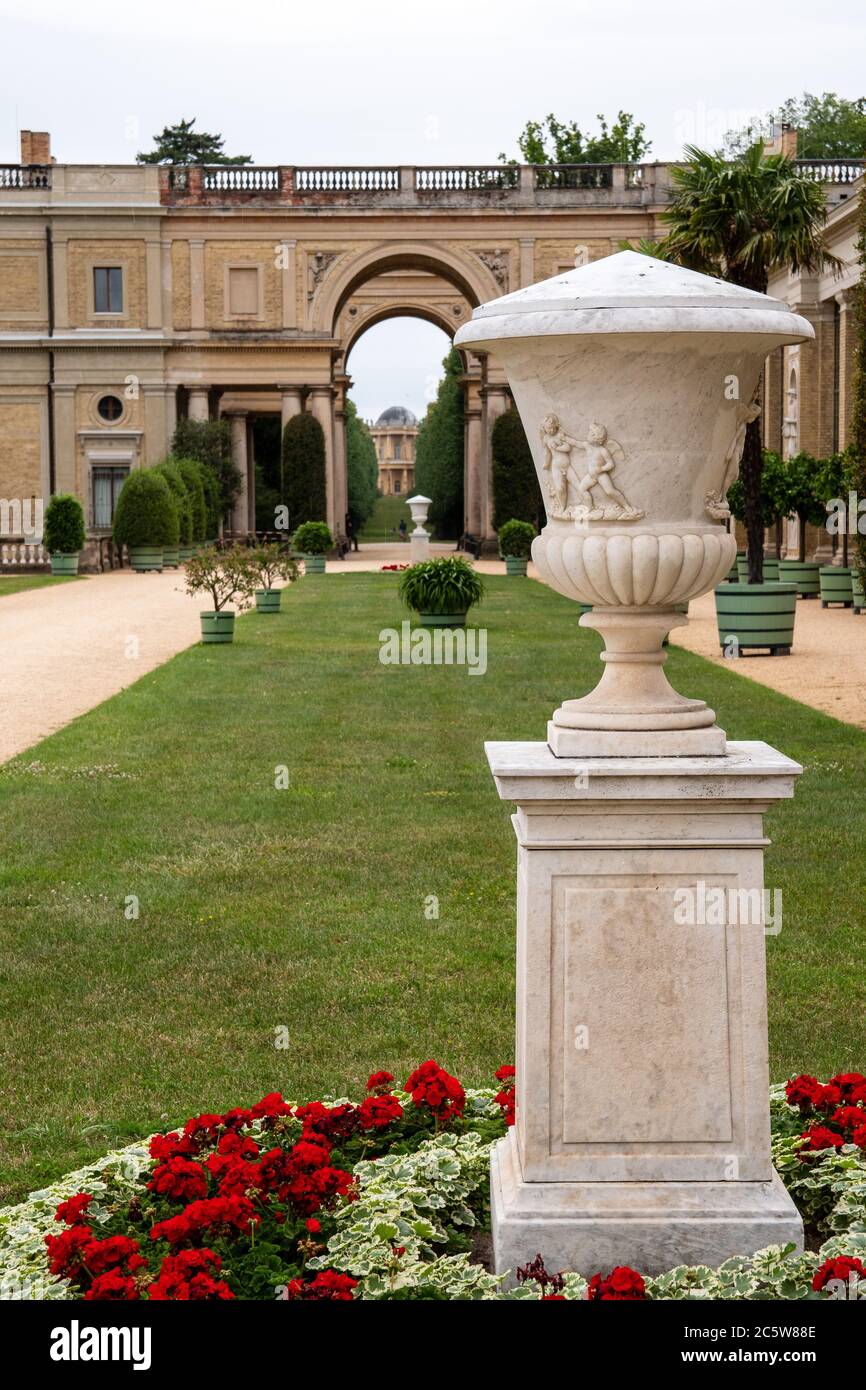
(831,170)
(468,178)
(22,555)
(382,179)
(25,176)
(240,178)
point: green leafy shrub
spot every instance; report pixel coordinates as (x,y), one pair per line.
(268,563)
(313,538)
(802,480)
(146,512)
(63,531)
(224,574)
(515,485)
(446,585)
(439,451)
(169,470)
(774,492)
(210,443)
(191,471)
(303,455)
(515,538)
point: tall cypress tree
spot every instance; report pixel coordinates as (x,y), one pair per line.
(516,494)
(362,467)
(304,470)
(439,451)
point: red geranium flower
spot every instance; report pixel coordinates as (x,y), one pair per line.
(803,1091)
(829,1097)
(621,1285)
(65,1252)
(234,1213)
(327,1285)
(852,1086)
(101,1255)
(842,1267)
(377,1112)
(506,1072)
(313,1226)
(380,1081)
(179,1179)
(188,1276)
(859,1138)
(848,1117)
(442,1093)
(72,1211)
(113,1286)
(819,1137)
(164,1147)
(270,1107)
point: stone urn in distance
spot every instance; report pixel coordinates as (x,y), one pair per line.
(635,380)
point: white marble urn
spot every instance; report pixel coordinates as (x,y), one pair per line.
(635,380)
(419,507)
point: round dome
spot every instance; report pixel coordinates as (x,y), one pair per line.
(397,415)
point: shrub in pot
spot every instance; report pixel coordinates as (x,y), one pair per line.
(63,533)
(313,540)
(441,591)
(224,575)
(803,484)
(174,555)
(857,590)
(515,545)
(267,564)
(758,615)
(146,519)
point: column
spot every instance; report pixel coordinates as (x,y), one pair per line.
(66,443)
(847,349)
(251,477)
(496,401)
(154,282)
(170,413)
(199,406)
(240,513)
(322,407)
(291,403)
(156,442)
(527,260)
(60,250)
(342,382)
(288,252)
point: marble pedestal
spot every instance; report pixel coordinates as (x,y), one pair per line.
(419,547)
(642,1133)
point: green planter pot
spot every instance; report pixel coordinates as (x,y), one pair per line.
(185,552)
(515,565)
(771,570)
(803,573)
(733,573)
(268,600)
(217,627)
(314,564)
(170,557)
(757,615)
(858,592)
(145,557)
(836,585)
(64,564)
(442,619)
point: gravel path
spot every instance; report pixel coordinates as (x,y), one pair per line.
(68,648)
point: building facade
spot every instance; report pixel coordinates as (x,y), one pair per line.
(394,435)
(131,296)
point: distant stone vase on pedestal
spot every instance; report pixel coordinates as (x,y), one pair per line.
(642,1130)
(419,539)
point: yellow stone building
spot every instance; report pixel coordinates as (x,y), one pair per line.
(132,295)
(394,435)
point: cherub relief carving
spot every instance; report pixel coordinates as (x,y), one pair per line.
(715,503)
(588,494)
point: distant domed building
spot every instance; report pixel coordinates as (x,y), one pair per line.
(394,435)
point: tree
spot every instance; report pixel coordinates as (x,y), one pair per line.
(774,493)
(828,127)
(362,468)
(210,442)
(516,494)
(742,220)
(180,144)
(303,457)
(552,142)
(439,451)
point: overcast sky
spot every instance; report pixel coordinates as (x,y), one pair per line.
(352,81)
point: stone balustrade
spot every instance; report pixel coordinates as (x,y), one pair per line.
(23,555)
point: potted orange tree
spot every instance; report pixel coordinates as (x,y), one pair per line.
(226,576)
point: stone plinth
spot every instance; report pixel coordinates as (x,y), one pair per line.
(419,547)
(642,1133)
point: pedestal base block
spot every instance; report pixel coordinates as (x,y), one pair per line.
(635,743)
(419,548)
(651,1226)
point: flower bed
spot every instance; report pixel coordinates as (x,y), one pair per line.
(386,1199)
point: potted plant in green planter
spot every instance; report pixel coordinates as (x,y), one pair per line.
(857,590)
(146,519)
(191,471)
(758,615)
(515,545)
(835,481)
(802,478)
(267,564)
(226,576)
(312,541)
(441,591)
(63,533)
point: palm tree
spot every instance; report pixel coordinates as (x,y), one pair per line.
(742,220)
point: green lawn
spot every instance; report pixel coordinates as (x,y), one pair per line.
(16,583)
(383,522)
(305,907)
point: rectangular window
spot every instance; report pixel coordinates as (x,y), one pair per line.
(106,483)
(243,290)
(396,484)
(107,289)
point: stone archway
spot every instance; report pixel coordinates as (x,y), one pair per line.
(442,288)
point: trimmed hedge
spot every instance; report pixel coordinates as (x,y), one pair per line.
(146,513)
(191,472)
(516,493)
(304,469)
(63,532)
(169,470)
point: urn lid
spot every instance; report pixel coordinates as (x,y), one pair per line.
(631,293)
